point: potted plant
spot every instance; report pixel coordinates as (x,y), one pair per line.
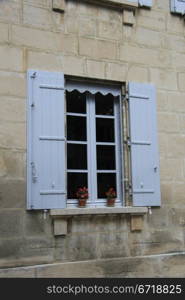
(111,196)
(82,196)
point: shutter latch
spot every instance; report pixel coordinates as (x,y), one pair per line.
(34,172)
(127,142)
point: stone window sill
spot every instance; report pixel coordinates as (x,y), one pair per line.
(61,216)
(98,211)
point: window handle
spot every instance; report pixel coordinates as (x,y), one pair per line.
(34,172)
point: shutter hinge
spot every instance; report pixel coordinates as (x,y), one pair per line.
(33,75)
(34,172)
(127,142)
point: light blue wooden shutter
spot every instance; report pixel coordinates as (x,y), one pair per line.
(46,141)
(147,3)
(178,6)
(144,147)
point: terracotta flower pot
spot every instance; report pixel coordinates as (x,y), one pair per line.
(82,202)
(110,201)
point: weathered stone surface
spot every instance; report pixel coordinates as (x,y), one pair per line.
(18,273)
(11,58)
(44,61)
(12,83)
(11,223)
(12,193)
(43,39)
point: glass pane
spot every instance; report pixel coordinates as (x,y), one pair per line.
(76,157)
(105,157)
(76,102)
(105,181)
(104,130)
(104,104)
(75,181)
(76,128)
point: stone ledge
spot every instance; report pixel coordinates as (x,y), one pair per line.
(98,211)
(156,265)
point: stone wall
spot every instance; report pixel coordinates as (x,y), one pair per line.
(91,41)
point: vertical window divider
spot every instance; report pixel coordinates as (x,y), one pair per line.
(91,149)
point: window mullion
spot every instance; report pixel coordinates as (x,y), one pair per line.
(91,138)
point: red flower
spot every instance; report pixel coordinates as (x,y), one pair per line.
(82,193)
(111,193)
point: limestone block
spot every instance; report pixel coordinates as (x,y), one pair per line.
(44,61)
(148,37)
(96,69)
(12,109)
(10,223)
(168,122)
(136,222)
(17,273)
(73,65)
(128,17)
(58,5)
(42,39)
(152,19)
(176,102)
(110,30)
(113,244)
(181,81)
(69,44)
(137,73)
(12,164)
(162,137)
(60,227)
(39,3)
(171,169)
(97,49)
(3,32)
(37,17)
(174,25)
(12,193)
(11,58)
(173,266)
(162,103)
(179,193)
(10,11)
(165,79)
(13,84)
(176,146)
(166,193)
(138,55)
(116,71)
(74,269)
(13,135)
(86,26)
(176,61)
(182,124)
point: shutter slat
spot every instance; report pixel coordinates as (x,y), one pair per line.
(144,149)
(46,141)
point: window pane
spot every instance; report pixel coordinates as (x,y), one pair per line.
(75,181)
(76,128)
(76,157)
(104,104)
(76,102)
(104,130)
(105,181)
(105,157)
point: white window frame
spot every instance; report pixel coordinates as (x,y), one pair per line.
(93,201)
